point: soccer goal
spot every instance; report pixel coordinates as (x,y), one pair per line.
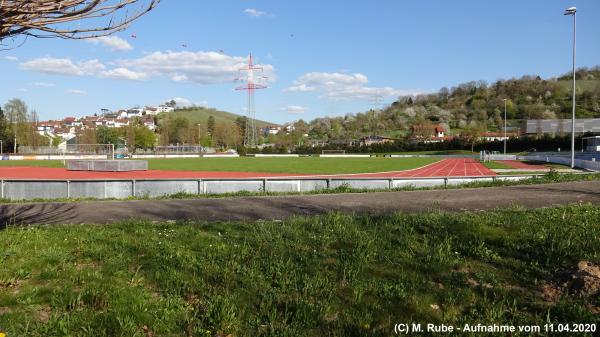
(326,152)
(107,150)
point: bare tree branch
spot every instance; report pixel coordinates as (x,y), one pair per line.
(50,19)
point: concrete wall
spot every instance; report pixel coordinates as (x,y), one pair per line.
(122,189)
(107,165)
(489,156)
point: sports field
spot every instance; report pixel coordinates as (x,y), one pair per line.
(303,165)
(228,168)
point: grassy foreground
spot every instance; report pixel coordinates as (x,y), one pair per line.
(334,275)
(303,165)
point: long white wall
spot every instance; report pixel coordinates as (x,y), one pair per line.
(14,189)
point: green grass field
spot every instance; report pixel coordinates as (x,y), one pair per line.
(30,163)
(303,165)
(334,275)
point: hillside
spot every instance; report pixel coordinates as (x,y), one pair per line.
(473,105)
(198,115)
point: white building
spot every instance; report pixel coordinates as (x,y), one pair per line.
(164,108)
(135,112)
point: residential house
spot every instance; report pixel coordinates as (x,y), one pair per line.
(71,121)
(436,134)
(120,122)
(271,130)
(150,110)
(148,122)
(135,112)
(164,108)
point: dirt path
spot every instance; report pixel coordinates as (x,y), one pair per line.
(256,208)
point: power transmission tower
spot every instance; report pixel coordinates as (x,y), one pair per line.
(250,86)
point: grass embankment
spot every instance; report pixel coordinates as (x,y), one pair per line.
(303,165)
(333,275)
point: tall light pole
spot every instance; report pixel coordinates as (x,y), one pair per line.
(199,134)
(572,11)
(505,126)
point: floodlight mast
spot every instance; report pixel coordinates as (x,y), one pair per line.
(505,126)
(250,137)
(573,11)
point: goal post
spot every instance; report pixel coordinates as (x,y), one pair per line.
(91,149)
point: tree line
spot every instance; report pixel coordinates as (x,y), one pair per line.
(17,126)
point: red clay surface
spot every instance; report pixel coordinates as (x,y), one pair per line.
(461,167)
(522,166)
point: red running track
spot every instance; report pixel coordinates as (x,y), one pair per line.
(522,166)
(460,167)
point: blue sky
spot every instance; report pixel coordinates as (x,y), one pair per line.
(322,57)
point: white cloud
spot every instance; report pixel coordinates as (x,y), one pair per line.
(182,102)
(43,84)
(22,90)
(11,58)
(179,78)
(300,87)
(76,92)
(123,74)
(254,12)
(342,86)
(67,67)
(295,109)
(114,43)
(197,67)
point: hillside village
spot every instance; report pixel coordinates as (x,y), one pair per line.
(69,127)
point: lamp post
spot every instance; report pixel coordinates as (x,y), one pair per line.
(505,126)
(572,11)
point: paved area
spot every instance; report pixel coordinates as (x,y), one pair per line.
(458,167)
(271,208)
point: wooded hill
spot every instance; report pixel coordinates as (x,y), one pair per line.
(472,103)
